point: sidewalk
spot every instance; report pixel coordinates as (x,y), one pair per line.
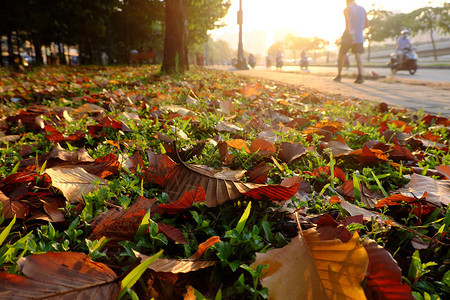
(431,100)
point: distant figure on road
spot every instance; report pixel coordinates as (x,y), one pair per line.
(403,43)
(268,61)
(353,38)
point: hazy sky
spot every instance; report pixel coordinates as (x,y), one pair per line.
(321,18)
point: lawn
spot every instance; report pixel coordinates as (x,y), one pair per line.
(123,182)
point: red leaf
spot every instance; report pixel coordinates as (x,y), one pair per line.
(384,277)
(173,233)
(160,166)
(56,136)
(338,173)
(120,224)
(258,174)
(401,153)
(185,201)
(284,191)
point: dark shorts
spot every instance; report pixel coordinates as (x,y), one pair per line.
(356,48)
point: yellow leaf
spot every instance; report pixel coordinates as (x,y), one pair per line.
(74,182)
(309,268)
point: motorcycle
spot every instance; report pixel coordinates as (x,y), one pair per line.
(279,62)
(304,63)
(409,62)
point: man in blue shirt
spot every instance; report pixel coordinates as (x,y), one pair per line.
(403,43)
(353,38)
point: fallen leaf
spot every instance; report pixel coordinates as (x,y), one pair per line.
(186,200)
(328,269)
(74,182)
(444,170)
(262,147)
(65,275)
(120,224)
(384,277)
(438,191)
(290,152)
(173,233)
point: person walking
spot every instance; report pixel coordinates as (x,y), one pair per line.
(353,38)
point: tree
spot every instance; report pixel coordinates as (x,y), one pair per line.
(203,16)
(444,18)
(176,38)
(277,46)
(188,18)
(376,32)
(423,20)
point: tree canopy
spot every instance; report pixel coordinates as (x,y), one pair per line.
(114,27)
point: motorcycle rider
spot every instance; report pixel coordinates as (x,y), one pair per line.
(279,59)
(403,43)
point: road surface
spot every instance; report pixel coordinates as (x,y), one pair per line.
(415,97)
(423,74)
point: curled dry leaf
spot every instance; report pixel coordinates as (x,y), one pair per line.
(66,275)
(183,265)
(186,177)
(309,268)
(74,182)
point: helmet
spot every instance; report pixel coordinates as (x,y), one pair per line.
(405,31)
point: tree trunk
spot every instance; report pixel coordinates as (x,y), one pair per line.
(10,49)
(89,44)
(176,39)
(368,51)
(37,51)
(62,54)
(432,42)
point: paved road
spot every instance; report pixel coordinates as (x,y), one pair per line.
(439,75)
(414,97)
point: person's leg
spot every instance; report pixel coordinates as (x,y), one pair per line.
(341,57)
(358,50)
(359,64)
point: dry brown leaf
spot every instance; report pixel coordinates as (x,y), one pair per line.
(227,107)
(74,182)
(66,275)
(223,126)
(444,170)
(186,177)
(238,144)
(262,147)
(308,268)
(88,108)
(290,152)
(438,191)
(176,265)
